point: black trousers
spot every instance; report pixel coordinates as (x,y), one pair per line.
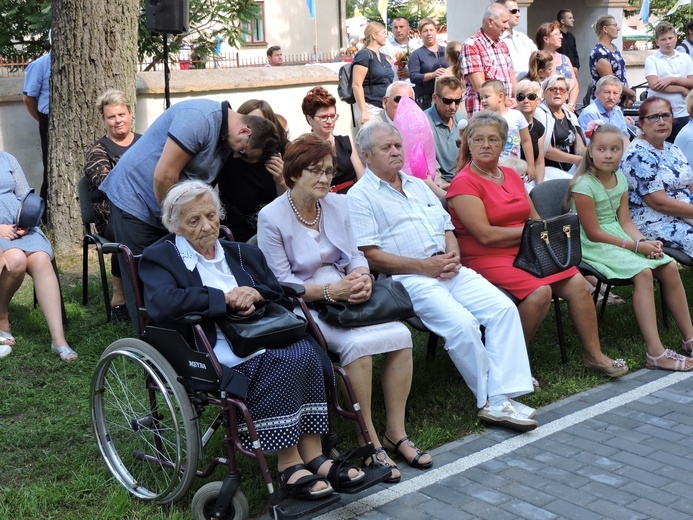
(43,131)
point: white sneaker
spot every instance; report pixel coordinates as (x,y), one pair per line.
(523,409)
(5,350)
(506,415)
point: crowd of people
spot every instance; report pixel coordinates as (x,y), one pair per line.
(330,212)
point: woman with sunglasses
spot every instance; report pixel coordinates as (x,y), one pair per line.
(320,109)
(528,96)
(563,141)
(659,179)
(549,37)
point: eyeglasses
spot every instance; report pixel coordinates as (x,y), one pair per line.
(450,101)
(557,90)
(327,117)
(664,116)
(478,141)
(531,96)
(319,172)
(513,11)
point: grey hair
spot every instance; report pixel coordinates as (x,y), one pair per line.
(366,139)
(525,85)
(182,193)
(112,97)
(608,80)
(551,81)
(492,11)
(394,84)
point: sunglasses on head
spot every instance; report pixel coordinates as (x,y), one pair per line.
(513,11)
(531,96)
(450,101)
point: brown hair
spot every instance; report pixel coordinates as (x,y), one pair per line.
(602,22)
(539,60)
(481,118)
(543,31)
(453,56)
(316,99)
(424,22)
(267,112)
(305,150)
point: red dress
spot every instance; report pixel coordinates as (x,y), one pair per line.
(507,206)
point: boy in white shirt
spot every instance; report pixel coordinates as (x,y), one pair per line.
(492,96)
(669,75)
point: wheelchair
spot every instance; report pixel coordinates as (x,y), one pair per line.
(147,400)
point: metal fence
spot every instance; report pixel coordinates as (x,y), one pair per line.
(236,60)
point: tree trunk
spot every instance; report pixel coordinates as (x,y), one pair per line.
(94,49)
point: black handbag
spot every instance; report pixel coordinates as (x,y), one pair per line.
(549,246)
(270,326)
(389,301)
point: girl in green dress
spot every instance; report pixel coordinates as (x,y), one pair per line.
(616,248)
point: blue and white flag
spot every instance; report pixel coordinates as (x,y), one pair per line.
(311,8)
(645,11)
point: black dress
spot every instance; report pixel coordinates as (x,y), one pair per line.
(244,189)
(536,130)
(345,171)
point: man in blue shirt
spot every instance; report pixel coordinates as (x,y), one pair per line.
(605,106)
(36,96)
(443,116)
(190,140)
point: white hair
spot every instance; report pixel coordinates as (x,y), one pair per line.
(182,193)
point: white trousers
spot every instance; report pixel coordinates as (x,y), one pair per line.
(454,309)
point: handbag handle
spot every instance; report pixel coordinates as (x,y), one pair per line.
(545,238)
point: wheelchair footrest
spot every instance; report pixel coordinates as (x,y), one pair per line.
(290,508)
(373,476)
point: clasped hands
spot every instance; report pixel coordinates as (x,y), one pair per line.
(241,300)
(443,267)
(11,231)
(651,249)
(353,288)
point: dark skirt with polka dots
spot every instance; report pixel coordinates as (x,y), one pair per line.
(286,395)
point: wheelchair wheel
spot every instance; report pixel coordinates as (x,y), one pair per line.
(144,423)
(203,503)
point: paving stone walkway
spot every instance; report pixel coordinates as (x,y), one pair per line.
(622,450)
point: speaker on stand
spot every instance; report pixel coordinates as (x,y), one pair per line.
(167,17)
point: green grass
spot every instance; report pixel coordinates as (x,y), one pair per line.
(51,467)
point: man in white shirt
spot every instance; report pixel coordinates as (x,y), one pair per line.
(669,75)
(403,230)
(400,42)
(519,44)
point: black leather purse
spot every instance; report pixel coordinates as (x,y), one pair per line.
(550,246)
(271,326)
(389,301)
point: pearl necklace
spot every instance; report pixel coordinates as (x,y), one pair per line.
(318,207)
(500,173)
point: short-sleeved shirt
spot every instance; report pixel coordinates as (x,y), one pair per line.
(492,57)
(36,81)
(520,47)
(564,68)
(445,137)
(411,225)
(198,126)
(595,111)
(516,122)
(663,66)
(378,76)
(615,59)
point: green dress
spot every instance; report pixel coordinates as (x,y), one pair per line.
(610,260)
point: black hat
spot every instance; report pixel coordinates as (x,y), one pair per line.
(31,210)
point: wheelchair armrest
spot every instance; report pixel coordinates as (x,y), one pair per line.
(111,247)
(293,290)
(191,319)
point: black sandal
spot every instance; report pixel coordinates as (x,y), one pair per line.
(338,474)
(377,460)
(301,488)
(414,463)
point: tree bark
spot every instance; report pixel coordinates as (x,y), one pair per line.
(94,49)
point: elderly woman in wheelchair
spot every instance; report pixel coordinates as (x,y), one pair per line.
(191,272)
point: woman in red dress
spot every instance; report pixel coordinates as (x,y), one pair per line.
(489,206)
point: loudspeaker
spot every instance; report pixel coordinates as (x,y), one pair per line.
(167,16)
